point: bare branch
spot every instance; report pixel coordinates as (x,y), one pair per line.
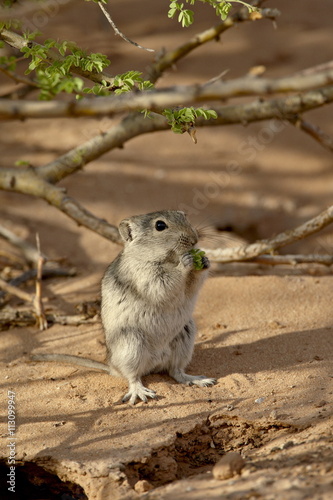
(118,32)
(247,252)
(13,290)
(293,260)
(29,182)
(12,317)
(29,251)
(314,131)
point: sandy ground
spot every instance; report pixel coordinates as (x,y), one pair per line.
(266,334)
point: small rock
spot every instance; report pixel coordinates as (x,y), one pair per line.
(259,400)
(143,486)
(288,444)
(273,414)
(229,466)
(321,404)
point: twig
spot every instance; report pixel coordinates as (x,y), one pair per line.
(13,290)
(247,252)
(316,69)
(314,131)
(13,317)
(29,251)
(118,32)
(27,181)
(18,78)
(38,301)
(293,260)
(48,272)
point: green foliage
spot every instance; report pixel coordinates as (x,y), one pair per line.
(222,9)
(53,74)
(197,258)
(185,16)
(53,63)
(10,24)
(182,119)
(127,81)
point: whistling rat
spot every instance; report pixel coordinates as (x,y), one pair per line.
(148,296)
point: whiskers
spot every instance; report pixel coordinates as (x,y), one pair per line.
(226,239)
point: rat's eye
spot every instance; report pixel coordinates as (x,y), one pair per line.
(160,225)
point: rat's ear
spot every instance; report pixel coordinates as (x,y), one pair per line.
(125,230)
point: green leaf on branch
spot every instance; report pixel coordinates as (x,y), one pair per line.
(222,9)
(183,119)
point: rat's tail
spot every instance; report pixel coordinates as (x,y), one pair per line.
(72,360)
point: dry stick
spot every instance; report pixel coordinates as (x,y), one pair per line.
(118,32)
(314,131)
(27,181)
(14,317)
(247,252)
(29,252)
(277,260)
(38,302)
(13,290)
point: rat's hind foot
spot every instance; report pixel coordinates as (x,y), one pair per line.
(199,380)
(138,391)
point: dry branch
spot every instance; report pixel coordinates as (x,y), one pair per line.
(29,182)
(13,317)
(117,30)
(13,290)
(28,250)
(293,260)
(314,131)
(248,252)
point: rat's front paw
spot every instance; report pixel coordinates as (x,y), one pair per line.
(205,262)
(187,260)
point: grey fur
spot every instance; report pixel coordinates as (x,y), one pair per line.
(148,296)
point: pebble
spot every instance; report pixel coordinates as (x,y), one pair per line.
(229,466)
(143,486)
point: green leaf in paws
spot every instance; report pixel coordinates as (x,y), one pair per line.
(197,258)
